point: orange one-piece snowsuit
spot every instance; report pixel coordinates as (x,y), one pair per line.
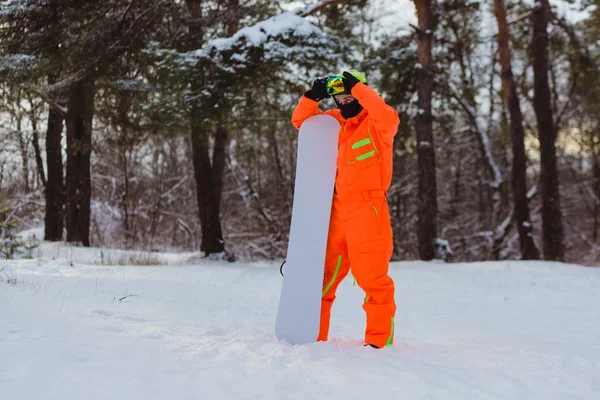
(360,233)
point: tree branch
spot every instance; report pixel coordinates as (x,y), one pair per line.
(313,9)
(420,30)
(521,17)
(111,50)
(484,141)
(502,230)
(61,110)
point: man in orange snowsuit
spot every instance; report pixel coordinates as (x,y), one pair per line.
(360,233)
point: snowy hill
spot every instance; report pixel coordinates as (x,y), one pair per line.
(70,329)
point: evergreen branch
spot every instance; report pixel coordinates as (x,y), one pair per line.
(84,71)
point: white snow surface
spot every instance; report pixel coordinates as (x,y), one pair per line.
(196,329)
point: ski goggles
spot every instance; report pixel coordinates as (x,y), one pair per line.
(335,85)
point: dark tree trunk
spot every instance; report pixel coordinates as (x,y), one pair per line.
(39,163)
(79,149)
(212,236)
(55,191)
(529,250)
(427,198)
(219,158)
(596,188)
(207,184)
(129,237)
(23,145)
(552,228)
(222,134)
(54,218)
(35,143)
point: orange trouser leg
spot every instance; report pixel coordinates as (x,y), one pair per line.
(337,266)
(370,250)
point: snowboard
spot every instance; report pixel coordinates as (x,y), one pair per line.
(299,312)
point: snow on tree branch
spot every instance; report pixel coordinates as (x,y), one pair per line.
(285,37)
(502,229)
(532,192)
(12,7)
(16,62)
(284,26)
(484,141)
(308,10)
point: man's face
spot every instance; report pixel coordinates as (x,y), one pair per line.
(344,99)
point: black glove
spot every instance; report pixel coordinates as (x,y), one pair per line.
(318,91)
(349,81)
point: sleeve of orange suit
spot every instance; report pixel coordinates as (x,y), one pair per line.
(305,109)
(384,117)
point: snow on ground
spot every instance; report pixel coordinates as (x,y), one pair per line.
(96,255)
(72,328)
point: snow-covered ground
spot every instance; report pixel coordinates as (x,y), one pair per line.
(72,328)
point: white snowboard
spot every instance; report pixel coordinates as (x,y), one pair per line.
(299,311)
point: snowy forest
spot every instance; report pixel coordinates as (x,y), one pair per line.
(165,125)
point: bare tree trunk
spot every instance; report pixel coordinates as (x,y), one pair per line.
(124,149)
(79,148)
(55,190)
(488,159)
(23,149)
(39,163)
(54,218)
(427,200)
(222,133)
(206,193)
(219,158)
(212,236)
(455,189)
(596,189)
(552,228)
(497,195)
(529,250)
(129,237)
(274,147)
